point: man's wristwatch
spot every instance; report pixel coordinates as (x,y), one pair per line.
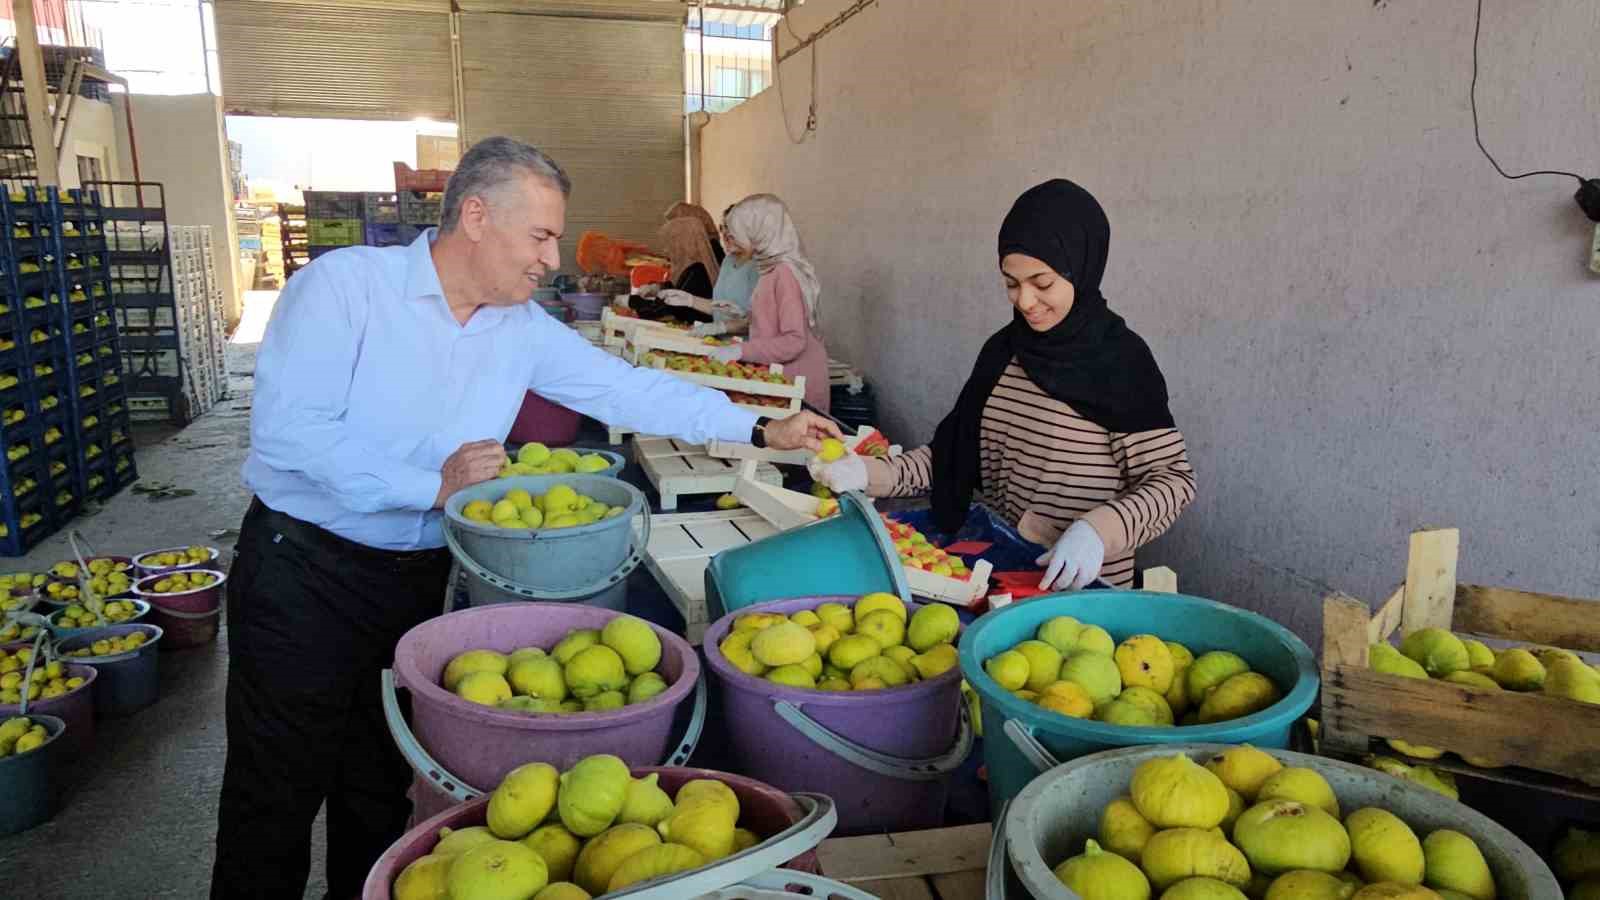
(758,432)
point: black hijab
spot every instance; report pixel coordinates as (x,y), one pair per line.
(1091,360)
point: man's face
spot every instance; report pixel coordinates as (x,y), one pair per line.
(516,238)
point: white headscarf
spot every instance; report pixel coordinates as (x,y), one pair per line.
(761,222)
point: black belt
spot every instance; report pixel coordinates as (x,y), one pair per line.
(316,537)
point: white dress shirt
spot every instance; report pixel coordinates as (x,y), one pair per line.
(365,383)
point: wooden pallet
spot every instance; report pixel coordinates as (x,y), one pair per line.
(681,546)
(1535,731)
(938,864)
(677,468)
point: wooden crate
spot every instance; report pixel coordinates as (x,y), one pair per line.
(791,394)
(663,339)
(677,468)
(1535,731)
(937,864)
(681,546)
(618,330)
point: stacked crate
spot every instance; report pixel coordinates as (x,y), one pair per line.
(384,227)
(296,250)
(216,339)
(271,247)
(191,290)
(334,219)
(64,417)
(26,517)
(96,389)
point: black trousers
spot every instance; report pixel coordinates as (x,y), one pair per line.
(312,621)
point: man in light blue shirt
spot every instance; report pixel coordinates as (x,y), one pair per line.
(386,382)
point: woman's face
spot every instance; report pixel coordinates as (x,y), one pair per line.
(733,248)
(1041,295)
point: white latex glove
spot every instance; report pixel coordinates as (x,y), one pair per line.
(848,473)
(675,297)
(1075,560)
(727,354)
(708,329)
(649,290)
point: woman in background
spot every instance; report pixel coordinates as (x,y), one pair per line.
(783,308)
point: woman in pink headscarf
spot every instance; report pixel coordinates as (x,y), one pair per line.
(783,310)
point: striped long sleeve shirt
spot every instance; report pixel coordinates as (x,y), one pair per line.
(1045,466)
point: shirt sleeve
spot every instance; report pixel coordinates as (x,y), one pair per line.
(303,374)
(580,376)
(1155,466)
(793,328)
(906,475)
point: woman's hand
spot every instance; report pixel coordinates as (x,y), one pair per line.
(675,297)
(648,290)
(1075,560)
(848,473)
(708,329)
(726,355)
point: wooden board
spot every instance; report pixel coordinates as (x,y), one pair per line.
(681,546)
(677,468)
(938,864)
(1552,736)
(782,508)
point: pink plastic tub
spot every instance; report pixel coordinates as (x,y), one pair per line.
(480,744)
(762,808)
(544,421)
(885,757)
(76,708)
(189,618)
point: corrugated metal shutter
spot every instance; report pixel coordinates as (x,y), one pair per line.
(328,61)
(603,97)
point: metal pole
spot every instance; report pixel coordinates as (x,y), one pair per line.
(205,49)
(36,95)
(702,5)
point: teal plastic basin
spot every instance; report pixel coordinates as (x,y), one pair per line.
(1021,740)
(847,554)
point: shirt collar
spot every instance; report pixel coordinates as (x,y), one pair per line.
(422,283)
(422,279)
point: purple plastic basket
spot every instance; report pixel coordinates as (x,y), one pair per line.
(585,307)
(480,744)
(75,707)
(918,732)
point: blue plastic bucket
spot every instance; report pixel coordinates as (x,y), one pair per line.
(128,682)
(28,782)
(1021,740)
(847,554)
(558,565)
(141,609)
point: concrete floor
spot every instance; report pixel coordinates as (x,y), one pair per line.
(138,819)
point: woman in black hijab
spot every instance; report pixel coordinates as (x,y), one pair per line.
(1063,427)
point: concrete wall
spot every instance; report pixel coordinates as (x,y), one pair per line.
(93,133)
(182,145)
(1365,330)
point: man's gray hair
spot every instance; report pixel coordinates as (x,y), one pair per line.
(491,164)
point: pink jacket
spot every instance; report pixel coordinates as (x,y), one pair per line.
(780,332)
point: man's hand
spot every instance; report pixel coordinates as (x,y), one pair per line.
(471,464)
(803,429)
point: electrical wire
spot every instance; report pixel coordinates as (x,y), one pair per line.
(1477,28)
(777,76)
